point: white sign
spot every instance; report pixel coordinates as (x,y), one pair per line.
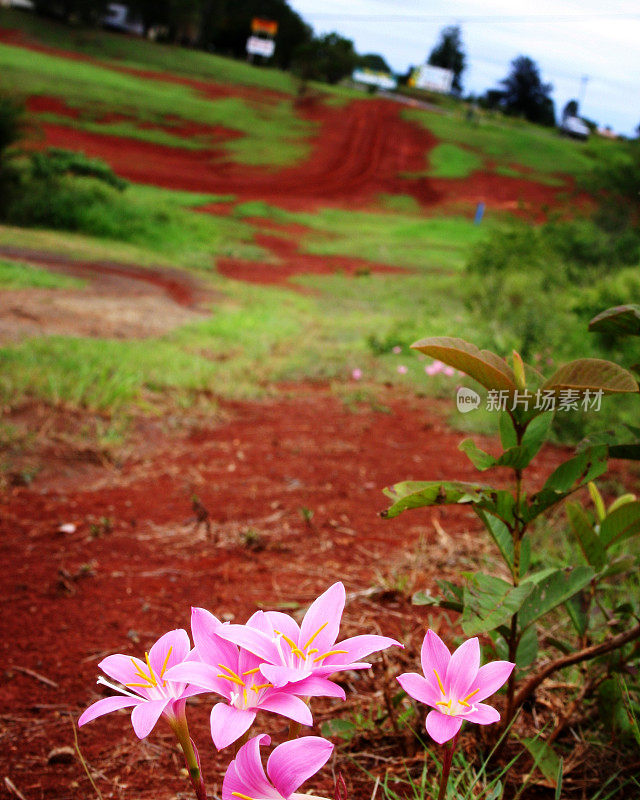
(260,47)
(381,79)
(433,79)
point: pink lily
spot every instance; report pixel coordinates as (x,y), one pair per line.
(146,687)
(434,368)
(235,675)
(290,653)
(289,765)
(454,685)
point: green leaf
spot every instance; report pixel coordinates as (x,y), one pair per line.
(536,434)
(490,602)
(476,456)
(593,374)
(343,728)
(544,758)
(417,494)
(622,523)
(551,592)
(452,598)
(574,473)
(578,608)
(527,650)
(589,541)
(619,321)
(499,533)
(486,367)
(525,554)
(508,436)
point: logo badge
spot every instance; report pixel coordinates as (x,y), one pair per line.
(467,399)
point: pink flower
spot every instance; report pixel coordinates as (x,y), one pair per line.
(434,368)
(235,675)
(146,686)
(356,374)
(289,766)
(402,369)
(290,653)
(449,371)
(397,349)
(453,686)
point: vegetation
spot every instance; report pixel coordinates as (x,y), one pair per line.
(524,94)
(449,54)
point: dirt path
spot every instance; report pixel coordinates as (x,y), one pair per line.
(119,300)
(137,561)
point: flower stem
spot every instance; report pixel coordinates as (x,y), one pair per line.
(446,767)
(191,758)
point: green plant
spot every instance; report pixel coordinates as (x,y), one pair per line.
(509,608)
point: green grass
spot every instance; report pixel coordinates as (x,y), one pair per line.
(511,141)
(17,275)
(395,239)
(451,161)
(273,135)
(148,55)
(158,224)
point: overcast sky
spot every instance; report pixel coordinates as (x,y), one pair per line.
(588,50)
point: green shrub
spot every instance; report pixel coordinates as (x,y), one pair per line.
(56,162)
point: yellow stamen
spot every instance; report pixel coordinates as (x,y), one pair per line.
(469,696)
(312,651)
(321,628)
(262,686)
(243,796)
(142,685)
(229,671)
(463,703)
(251,671)
(246,699)
(330,653)
(442,703)
(294,647)
(232,678)
(164,665)
(439,681)
(152,677)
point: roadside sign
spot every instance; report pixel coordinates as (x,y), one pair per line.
(260,47)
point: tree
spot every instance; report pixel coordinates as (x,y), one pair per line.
(570,109)
(374,62)
(525,94)
(448,53)
(226,26)
(325,58)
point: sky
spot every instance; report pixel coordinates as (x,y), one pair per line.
(588,51)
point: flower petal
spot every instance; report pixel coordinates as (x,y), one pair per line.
(291,763)
(255,640)
(122,668)
(490,678)
(210,647)
(288,705)
(280,676)
(419,688)
(483,714)
(316,686)
(106,706)
(434,655)
(228,724)
(442,727)
(250,772)
(170,649)
(321,623)
(463,668)
(358,647)
(145,715)
(201,675)
(283,623)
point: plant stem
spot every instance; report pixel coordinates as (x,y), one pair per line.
(191,758)
(446,767)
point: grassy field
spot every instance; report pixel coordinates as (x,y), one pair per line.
(16,275)
(255,335)
(272,134)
